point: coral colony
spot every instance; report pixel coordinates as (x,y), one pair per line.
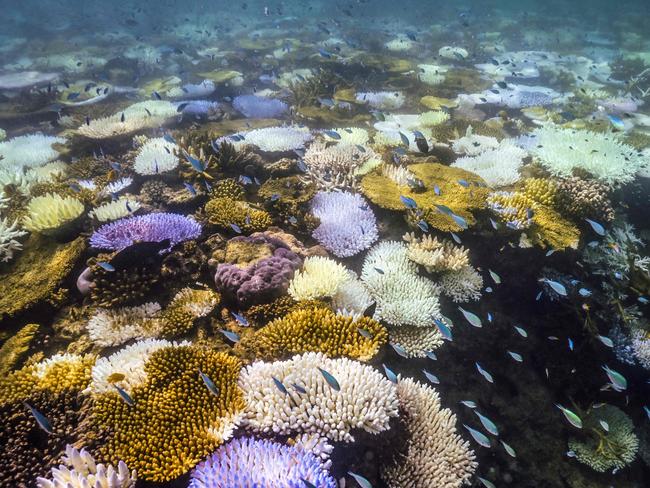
(324,244)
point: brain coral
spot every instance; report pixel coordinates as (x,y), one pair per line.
(319,329)
(175,420)
(249,462)
(384,192)
(258,269)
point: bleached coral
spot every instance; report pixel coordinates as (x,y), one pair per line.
(80,470)
(498,167)
(47,173)
(402,296)
(271,139)
(141,115)
(122,207)
(435,454)
(320,277)
(640,343)
(433,118)
(9,235)
(117,186)
(431,74)
(333,166)
(28,150)
(114,327)
(350,135)
(453,52)
(352,297)
(365,398)
(125,368)
(416,341)
(399,174)
(602,155)
(399,44)
(471,144)
(51,211)
(156,156)
(382,100)
(436,255)
(462,285)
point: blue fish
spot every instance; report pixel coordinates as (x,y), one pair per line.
(606,340)
(539,295)
(245,180)
(399,350)
(516,356)
(468,403)
(230,335)
(462,223)
(209,383)
(279,385)
(405,140)
(236,228)
(584,292)
(240,318)
(431,355)
(484,373)
(488,289)
(643,300)
(570,342)
(325,54)
(598,228)
(558,288)
(495,226)
(332,134)
(511,452)
(431,377)
(489,317)
(647,411)
(521,331)
(156,95)
(408,202)
(436,190)
(455,238)
(190,188)
(549,252)
(617,379)
(196,164)
(487,423)
(106,266)
(478,436)
(364,333)
(379,270)
(299,388)
(41,420)
(471,318)
(125,396)
(424,227)
(495,277)
(486,483)
(330,380)
(363,482)
(444,330)
(616,122)
(443,209)
(463,183)
(390,374)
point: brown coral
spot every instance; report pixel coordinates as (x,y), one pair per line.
(582,198)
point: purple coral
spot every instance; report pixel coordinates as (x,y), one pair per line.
(256,107)
(347,224)
(263,280)
(253,463)
(155,227)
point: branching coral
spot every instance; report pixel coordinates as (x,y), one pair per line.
(416,341)
(435,454)
(116,209)
(541,190)
(257,107)
(29,150)
(115,327)
(436,255)
(584,199)
(331,165)
(156,156)
(462,285)
(50,212)
(224,212)
(9,233)
(347,224)
(366,400)
(14,347)
(175,420)
(498,167)
(382,100)
(249,462)
(602,449)
(318,329)
(123,286)
(187,306)
(320,277)
(80,470)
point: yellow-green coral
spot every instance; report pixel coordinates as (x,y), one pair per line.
(176,420)
(228,188)
(385,192)
(188,305)
(225,211)
(541,190)
(319,329)
(51,211)
(15,347)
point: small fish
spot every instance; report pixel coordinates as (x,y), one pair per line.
(390,374)
(617,379)
(468,403)
(190,188)
(302,166)
(431,355)
(484,373)
(486,483)
(516,356)
(363,482)
(279,385)
(332,134)
(293,220)
(463,183)
(571,454)
(196,164)
(330,380)
(495,277)
(489,317)
(511,452)
(538,296)
(169,139)
(423,226)
(379,270)
(230,335)
(643,300)
(647,411)
(87,120)
(462,223)
(495,226)
(616,122)
(444,330)
(443,209)
(405,140)
(502,84)
(41,420)
(245,180)
(436,190)
(73,95)
(408,202)
(558,288)
(106,266)
(487,423)
(583,292)
(479,437)
(431,377)
(125,396)
(236,228)
(549,252)
(240,318)
(598,228)
(488,289)
(399,350)
(604,425)
(471,318)
(122,118)
(365,333)
(605,340)
(299,388)
(325,54)
(455,237)
(570,341)
(207,381)
(570,416)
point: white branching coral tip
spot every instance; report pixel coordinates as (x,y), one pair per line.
(366,400)
(462,285)
(320,277)
(9,235)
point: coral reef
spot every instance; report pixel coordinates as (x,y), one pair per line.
(581,199)
(257,107)
(15,347)
(338,165)
(225,212)
(156,156)
(114,210)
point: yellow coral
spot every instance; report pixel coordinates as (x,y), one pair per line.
(188,305)
(51,211)
(176,420)
(319,329)
(15,347)
(224,211)
(436,255)
(541,190)
(386,193)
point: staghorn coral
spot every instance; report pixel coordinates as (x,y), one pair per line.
(80,470)
(462,285)
(14,348)
(175,420)
(319,277)
(318,329)
(581,199)
(435,454)
(435,255)
(384,192)
(366,400)
(604,450)
(498,167)
(224,212)
(347,224)
(337,165)
(156,156)
(640,343)
(49,213)
(249,462)
(9,233)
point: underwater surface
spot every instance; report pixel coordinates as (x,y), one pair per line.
(332,244)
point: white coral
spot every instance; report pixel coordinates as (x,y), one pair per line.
(462,285)
(28,151)
(320,277)
(366,399)
(416,341)
(114,327)
(156,156)
(497,166)
(122,207)
(271,139)
(9,235)
(141,115)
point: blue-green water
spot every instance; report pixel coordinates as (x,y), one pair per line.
(230,232)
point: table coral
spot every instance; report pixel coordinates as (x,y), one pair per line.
(175,420)
(386,193)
